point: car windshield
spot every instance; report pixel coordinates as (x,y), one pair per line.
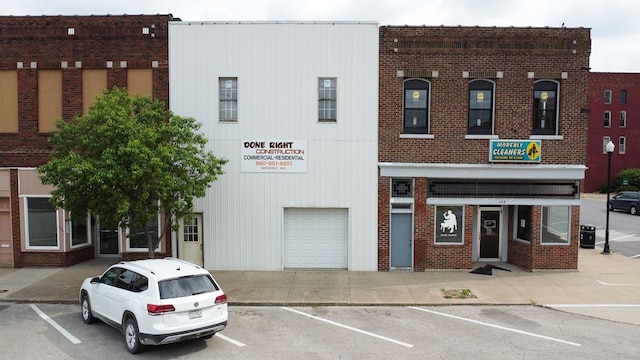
(186,286)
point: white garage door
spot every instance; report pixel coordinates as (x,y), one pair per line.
(315,238)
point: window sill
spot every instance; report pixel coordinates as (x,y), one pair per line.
(41,248)
(546,137)
(474,136)
(526,242)
(417,136)
(555,243)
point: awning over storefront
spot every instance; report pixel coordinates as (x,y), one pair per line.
(494,184)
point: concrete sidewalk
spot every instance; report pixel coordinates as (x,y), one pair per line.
(604,286)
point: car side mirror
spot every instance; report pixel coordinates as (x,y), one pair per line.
(95,280)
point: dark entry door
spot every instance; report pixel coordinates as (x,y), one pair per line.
(490,234)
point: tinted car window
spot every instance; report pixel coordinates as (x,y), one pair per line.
(132,281)
(110,277)
(186,286)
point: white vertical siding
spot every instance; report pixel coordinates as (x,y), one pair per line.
(278,66)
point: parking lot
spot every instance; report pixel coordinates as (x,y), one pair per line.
(48,331)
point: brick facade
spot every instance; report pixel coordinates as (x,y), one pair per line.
(596,175)
(70,44)
(513,59)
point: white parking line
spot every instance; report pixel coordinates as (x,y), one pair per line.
(349,327)
(592,305)
(64,332)
(497,326)
(234,342)
(612,284)
(617,239)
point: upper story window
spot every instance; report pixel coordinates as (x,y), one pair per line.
(228,99)
(605,141)
(545,105)
(623,97)
(607,118)
(327,99)
(623,119)
(622,145)
(607,96)
(416,106)
(481,107)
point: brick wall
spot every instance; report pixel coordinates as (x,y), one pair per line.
(44,40)
(440,55)
(513,51)
(596,175)
(97,42)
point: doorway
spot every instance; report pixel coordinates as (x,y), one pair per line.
(191,246)
(108,242)
(490,233)
(401,239)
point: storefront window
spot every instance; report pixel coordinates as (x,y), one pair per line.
(80,231)
(41,223)
(449,225)
(523,223)
(555,224)
(138,240)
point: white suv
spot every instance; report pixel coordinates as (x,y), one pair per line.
(155,301)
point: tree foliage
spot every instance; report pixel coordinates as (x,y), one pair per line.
(128,159)
(628,180)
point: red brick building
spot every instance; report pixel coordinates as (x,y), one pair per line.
(614,116)
(53,67)
(482,146)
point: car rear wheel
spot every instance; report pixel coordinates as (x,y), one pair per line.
(633,210)
(87,316)
(132,337)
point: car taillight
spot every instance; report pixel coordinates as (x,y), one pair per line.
(221,299)
(156,310)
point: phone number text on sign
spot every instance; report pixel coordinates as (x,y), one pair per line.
(273,156)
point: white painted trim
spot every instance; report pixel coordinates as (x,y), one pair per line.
(483,171)
(498,201)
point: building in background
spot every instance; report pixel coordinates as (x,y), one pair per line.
(53,67)
(482,146)
(614,116)
(293,106)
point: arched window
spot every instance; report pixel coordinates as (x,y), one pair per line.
(545,108)
(416,106)
(481,101)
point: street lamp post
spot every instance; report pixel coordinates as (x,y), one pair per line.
(609,147)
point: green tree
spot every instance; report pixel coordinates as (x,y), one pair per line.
(627,180)
(127,160)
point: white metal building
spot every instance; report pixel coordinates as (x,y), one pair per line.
(293,106)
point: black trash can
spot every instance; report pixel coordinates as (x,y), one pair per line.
(587,236)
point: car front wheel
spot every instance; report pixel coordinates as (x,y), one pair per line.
(633,210)
(132,337)
(87,316)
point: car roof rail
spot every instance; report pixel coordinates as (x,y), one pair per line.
(182,261)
